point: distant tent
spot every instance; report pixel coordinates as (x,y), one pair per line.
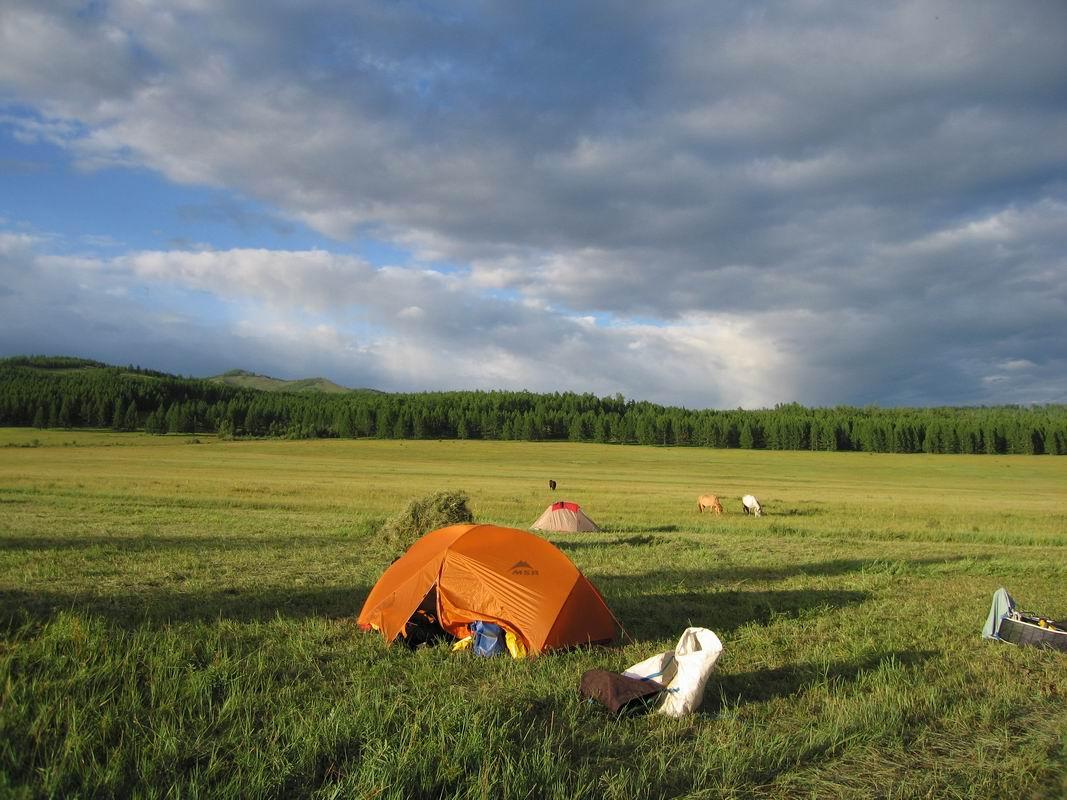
(564,516)
(486,573)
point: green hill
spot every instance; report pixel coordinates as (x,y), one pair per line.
(264,383)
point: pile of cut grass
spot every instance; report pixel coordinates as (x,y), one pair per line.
(422,515)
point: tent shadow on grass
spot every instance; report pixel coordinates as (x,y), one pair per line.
(159,607)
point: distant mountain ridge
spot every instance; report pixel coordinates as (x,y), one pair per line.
(252,380)
(238,378)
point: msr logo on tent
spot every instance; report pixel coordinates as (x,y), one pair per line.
(522,568)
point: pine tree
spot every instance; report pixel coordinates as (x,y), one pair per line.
(152,424)
(420,428)
(64,418)
(343,424)
(602,428)
(747,440)
(226,428)
(574,428)
(118,416)
(645,430)
(99,414)
(130,421)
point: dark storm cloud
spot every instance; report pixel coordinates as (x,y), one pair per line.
(875,194)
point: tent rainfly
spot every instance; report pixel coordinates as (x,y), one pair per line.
(564,517)
(489,573)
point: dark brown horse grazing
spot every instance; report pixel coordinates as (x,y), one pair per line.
(552,485)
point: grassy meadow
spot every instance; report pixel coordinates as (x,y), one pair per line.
(177,620)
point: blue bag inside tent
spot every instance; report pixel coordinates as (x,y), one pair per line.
(488,639)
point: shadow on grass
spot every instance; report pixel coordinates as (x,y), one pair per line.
(641,529)
(645,616)
(839,566)
(753,572)
(629,541)
(648,616)
(844,566)
(794,512)
(140,544)
(726,691)
(158,607)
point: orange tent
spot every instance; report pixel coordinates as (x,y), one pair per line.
(485,572)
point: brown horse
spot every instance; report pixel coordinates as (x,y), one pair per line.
(709,501)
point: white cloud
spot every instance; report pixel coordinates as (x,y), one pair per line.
(12,244)
(1017,364)
(374,336)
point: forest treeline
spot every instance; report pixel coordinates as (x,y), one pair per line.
(63,392)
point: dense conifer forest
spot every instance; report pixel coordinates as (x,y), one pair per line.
(64,392)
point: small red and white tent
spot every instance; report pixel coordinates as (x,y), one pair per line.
(564,516)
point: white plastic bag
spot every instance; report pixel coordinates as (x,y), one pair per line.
(684,671)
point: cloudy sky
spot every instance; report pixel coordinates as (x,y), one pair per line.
(709,204)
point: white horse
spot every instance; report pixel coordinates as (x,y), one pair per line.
(751,504)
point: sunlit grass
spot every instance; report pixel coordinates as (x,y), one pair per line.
(177,619)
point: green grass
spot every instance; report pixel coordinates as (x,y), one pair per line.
(177,620)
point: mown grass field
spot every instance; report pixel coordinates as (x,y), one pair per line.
(177,620)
